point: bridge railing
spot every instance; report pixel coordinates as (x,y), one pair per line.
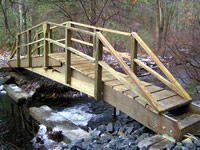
(99,44)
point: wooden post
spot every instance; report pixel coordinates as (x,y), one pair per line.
(134,49)
(68,43)
(29,49)
(51,44)
(18,50)
(38,44)
(46,28)
(94,44)
(98,87)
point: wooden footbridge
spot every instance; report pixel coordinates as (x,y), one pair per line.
(146,103)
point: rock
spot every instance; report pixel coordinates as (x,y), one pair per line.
(170,146)
(95,133)
(45,115)
(102,128)
(136,133)
(110,128)
(105,139)
(197,142)
(134,147)
(122,129)
(136,125)
(130,130)
(143,136)
(117,126)
(188,144)
(178,147)
(17,93)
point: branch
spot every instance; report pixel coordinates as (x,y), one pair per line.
(81,4)
(101,12)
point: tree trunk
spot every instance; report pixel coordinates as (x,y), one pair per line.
(22,23)
(159,25)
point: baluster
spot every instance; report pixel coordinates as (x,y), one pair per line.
(18,50)
(29,49)
(51,44)
(68,43)
(38,44)
(98,87)
(134,49)
(46,28)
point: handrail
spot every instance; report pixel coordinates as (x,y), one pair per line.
(71,28)
(91,45)
(178,88)
(143,91)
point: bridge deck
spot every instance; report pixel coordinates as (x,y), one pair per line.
(167,99)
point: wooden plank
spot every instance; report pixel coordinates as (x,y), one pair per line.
(83,66)
(187,119)
(173,102)
(68,43)
(82,42)
(113,83)
(80,62)
(143,91)
(37,61)
(98,84)
(32,28)
(161,66)
(121,88)
(163,94)
(153,88)
(81,54)
(158,76)
(77,84)
(101,29)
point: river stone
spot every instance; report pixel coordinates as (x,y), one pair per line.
(110,128)
(197,143)
(16,93)
(177,147)
(102,128)
(50,118)
(188,143)
(129,130)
